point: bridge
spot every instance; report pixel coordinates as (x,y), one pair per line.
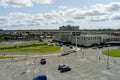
(56,31)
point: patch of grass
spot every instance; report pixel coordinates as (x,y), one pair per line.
(22,45)
(30,47)
(112,52)
(6,57)
(45,48)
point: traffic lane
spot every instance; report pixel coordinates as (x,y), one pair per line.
(81,69)
(76,61)
(98,53)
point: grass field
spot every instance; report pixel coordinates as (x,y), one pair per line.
(113,52)
(30,47)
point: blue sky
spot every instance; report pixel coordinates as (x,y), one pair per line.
(50,14)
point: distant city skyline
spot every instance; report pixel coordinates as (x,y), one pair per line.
(51,14)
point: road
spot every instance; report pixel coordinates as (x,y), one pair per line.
(87,66)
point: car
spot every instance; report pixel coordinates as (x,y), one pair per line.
(61,66)
(67,44)
(40,77)
(65,53)
(72,51)
(43,61)
(100,47)
(59,44)
(108,45)
(65,69)
(71,47)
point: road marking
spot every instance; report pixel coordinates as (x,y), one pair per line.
(108,73)
(28,71)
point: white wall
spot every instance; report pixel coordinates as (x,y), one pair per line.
(85,40)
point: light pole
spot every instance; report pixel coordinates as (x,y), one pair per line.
(108,60)
(76,40)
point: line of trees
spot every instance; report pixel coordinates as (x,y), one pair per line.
(2,38)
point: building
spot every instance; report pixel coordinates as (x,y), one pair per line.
(86,40)
(62,37)
(69,27)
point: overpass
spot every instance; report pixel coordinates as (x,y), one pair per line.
(56,31)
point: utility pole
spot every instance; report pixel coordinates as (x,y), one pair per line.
(108,60)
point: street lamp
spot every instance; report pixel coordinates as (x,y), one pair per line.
(76,40)
(108,60)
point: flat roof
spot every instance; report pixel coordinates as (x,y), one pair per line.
(93,35)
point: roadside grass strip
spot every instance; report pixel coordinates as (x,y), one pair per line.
(6,57)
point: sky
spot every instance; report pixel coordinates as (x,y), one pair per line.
(51,14)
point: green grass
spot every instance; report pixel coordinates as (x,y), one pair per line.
(34,49)
(6,57)
(30,47)
(113,52)
(27,44)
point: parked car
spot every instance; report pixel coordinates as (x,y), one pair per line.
(65,53)
(61,44)
(40,77)
(67,44)
(72,51)
(100,47)
(65,69)
(108,45)
(71,47)
(61,66)
(43,61)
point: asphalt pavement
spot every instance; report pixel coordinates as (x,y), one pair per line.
(87,64)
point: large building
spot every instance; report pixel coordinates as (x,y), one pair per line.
(69,27)
(86,40)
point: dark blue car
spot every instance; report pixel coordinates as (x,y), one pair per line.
(40,77)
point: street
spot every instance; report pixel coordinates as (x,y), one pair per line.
(88,66)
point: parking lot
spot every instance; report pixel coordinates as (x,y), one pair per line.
(87,66)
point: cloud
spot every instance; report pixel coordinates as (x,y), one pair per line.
(50,15)
(115,16)
(111,7)
(3,20)
(114,6)
(69,21)
(55,22)
(43,1)
(93,12)
(98,18)
(15,3)
(23,3)
(79,17)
